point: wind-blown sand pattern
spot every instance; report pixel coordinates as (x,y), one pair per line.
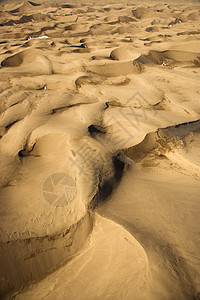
(100,150)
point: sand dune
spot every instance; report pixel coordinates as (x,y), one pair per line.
(99,150)
(100,254)
(124,53)
(168,57)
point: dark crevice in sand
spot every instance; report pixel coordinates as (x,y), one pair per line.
(11,124)
(25,152)
(119,166)
(105,188)
(64,108)
(190,124)
(96,129)
(106,185)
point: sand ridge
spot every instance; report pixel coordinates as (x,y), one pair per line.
(99,102)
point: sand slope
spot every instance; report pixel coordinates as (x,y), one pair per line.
(108,249)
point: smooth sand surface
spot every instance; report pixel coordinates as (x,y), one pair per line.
(100,150)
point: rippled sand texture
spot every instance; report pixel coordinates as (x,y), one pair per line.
(100,151)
